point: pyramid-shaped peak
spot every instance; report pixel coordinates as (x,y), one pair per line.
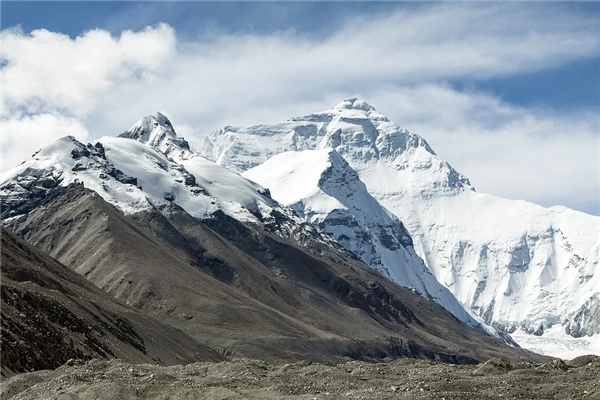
(161,119)
(354,103)
(157,131)
(150,122)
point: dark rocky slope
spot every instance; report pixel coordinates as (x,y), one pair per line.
(51,314)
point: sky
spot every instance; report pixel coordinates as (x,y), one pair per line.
(507,93)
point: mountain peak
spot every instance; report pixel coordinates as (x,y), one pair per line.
(157,131)
(161,119)
(354,103)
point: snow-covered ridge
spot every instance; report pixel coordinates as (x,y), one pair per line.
(135,175)
(141,174)
(368,140)
(62,163)
(324,190)
(514,263)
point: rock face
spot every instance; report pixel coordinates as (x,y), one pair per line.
(51,314)
(515,264)
(218,258)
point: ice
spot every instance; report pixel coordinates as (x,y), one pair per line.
(556,342)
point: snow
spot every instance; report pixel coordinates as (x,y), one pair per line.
(292,176)
(556,343)
(226,186)
(56,158)
(327,193)
(156,131)
(512,262)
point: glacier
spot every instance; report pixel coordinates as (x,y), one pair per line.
(517,265)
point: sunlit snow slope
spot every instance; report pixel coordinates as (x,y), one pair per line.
(514,263)
(149,166)
(323,189)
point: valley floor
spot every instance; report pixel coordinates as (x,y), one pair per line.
(251,379)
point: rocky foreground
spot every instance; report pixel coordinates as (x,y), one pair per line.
(251,379)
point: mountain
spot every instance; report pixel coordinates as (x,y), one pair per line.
(516,264)
(51,314)
(157,131)
(211,253)
(322,188)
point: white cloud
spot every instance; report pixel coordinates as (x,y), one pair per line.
(49,70)
(398,62)
(21,136)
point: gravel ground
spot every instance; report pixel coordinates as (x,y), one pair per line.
(251,379)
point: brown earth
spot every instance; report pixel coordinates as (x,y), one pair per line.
(50,314)
(251,379)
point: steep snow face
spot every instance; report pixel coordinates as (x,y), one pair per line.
(157,132)
(513,262)
(516,264)
(586,321)
(323,189)
(363,136)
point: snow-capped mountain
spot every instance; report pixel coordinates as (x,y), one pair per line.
(324,190)
(211,253)
(514,263)
(142,174)
(149,167)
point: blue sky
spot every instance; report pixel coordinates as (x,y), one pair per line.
(508,93)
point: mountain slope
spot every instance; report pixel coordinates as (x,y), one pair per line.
(251,282)
(516,264)
(246,291)
(51,314)
(322,188)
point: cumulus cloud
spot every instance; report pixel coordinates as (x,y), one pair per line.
(399,62)
(22,135)
(49,70)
